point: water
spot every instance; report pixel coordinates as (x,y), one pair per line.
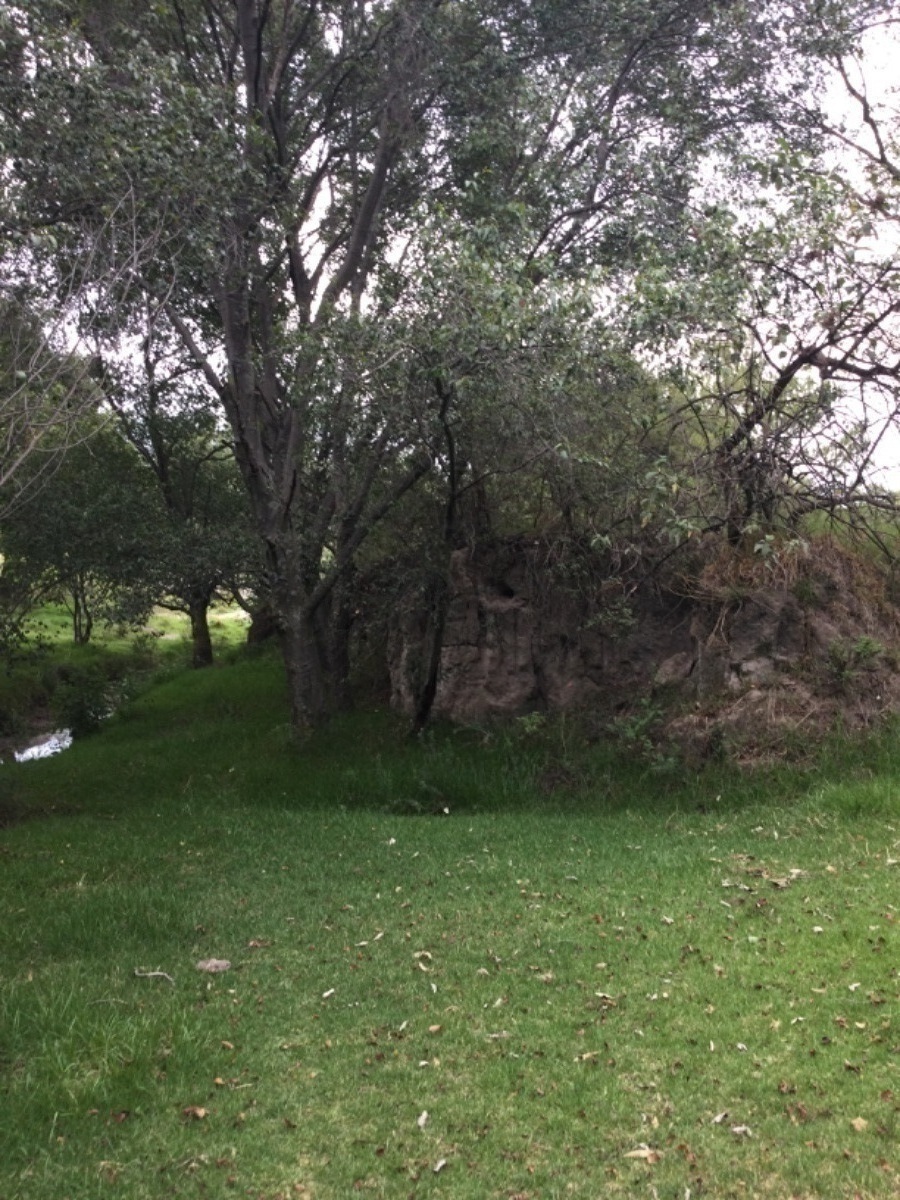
(50,744)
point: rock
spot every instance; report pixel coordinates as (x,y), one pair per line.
(758,671)
(675,669)
(522,636)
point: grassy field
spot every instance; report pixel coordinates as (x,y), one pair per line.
(475,966)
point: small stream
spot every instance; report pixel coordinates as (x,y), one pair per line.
(48,745)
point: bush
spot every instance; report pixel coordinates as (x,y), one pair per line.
(82,699)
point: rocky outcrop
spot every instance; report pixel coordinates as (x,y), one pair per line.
(522,635)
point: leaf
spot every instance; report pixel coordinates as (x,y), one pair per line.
(213,966)
(860,1124)
(645,1153)
(194,1112)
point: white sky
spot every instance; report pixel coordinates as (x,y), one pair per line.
(876,74)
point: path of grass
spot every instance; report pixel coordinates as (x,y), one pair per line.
(627,988)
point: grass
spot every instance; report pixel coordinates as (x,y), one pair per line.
(51,681)
(594,979)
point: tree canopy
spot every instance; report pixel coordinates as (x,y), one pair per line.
(449,240)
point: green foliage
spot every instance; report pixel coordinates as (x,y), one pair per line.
(848,660)
(46,678)
(301,173)
(91,534)
(46,390)
(639,733)
(81,699)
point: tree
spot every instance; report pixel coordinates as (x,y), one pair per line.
(45,392)
(206,548)
(92,536)
(777,336)
(52,321)
(295,151)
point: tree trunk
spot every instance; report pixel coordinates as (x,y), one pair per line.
(201,642)
(336,623)
(263,625)
(432,645)
(301,649)
(82,621)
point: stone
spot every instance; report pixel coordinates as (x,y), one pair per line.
(675,669)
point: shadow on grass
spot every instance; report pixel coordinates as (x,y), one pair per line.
(220,736)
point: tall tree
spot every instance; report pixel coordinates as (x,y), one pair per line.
(291,148)
(206,548)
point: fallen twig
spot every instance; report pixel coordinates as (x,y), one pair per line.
(154,975)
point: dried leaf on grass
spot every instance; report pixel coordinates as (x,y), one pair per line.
(645,1153)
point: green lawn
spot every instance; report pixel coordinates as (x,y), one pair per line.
(586,979)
